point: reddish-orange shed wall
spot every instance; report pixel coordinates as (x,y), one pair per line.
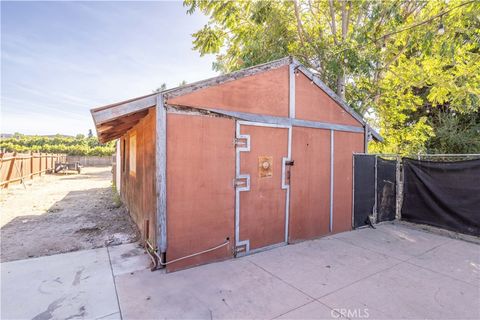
(312,103)
(201,165)
(200,193)
(262,208)
(138,190)
(310,184)
(345,144)
(263,93)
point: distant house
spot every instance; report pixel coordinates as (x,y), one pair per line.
(235,164)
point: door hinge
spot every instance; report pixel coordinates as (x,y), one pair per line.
(240,249)
(240,142)
(240,182)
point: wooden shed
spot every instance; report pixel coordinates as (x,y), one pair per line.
(235,164)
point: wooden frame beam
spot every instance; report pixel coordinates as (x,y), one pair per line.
(121,110)
(161,174)
(113,128)
(285,121)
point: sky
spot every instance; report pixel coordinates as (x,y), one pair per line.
(60,59)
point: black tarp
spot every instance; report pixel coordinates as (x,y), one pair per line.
(364,188)
(443,194)
(386,189)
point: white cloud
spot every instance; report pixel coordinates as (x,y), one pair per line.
(61,59)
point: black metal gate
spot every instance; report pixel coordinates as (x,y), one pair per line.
(374,189)
(386,189)
(437,190)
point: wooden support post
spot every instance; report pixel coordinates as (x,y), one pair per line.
(398,189)
(332,177)
(22,170)
(375,206)
(366,138)
(10,169)
(161,174)
(291,92)
(31,164)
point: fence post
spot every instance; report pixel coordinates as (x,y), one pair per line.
(31,165)
(10,169)
(375,210)
(399,189)
(22,170)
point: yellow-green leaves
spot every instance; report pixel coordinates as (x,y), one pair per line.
(393,59)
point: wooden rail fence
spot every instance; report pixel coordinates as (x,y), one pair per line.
(16,167)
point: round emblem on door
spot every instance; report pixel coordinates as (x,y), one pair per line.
(265,166)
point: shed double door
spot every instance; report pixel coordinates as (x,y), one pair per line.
(262,190)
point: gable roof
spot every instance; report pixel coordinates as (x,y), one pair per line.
(122,114)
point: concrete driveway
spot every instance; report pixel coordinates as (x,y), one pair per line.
(390,272)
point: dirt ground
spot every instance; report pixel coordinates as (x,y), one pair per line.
(61,213)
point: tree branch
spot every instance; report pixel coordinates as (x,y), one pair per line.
(345,17)
(333,24)
(299,23)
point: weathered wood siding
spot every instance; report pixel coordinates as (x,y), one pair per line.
(16,167)
(200,192)
(262,93)
(262,209)
(138,190)
(310,184)
(312,103)
(345,144)
(311,151)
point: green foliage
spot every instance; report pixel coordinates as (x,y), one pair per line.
(116,197)
(434,78)
(400,80)
(74,146)
(455,133)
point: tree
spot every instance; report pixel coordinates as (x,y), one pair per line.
(339,40)
(161,88)
(433,85)
(361,49)
(455,133)
(17,135)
